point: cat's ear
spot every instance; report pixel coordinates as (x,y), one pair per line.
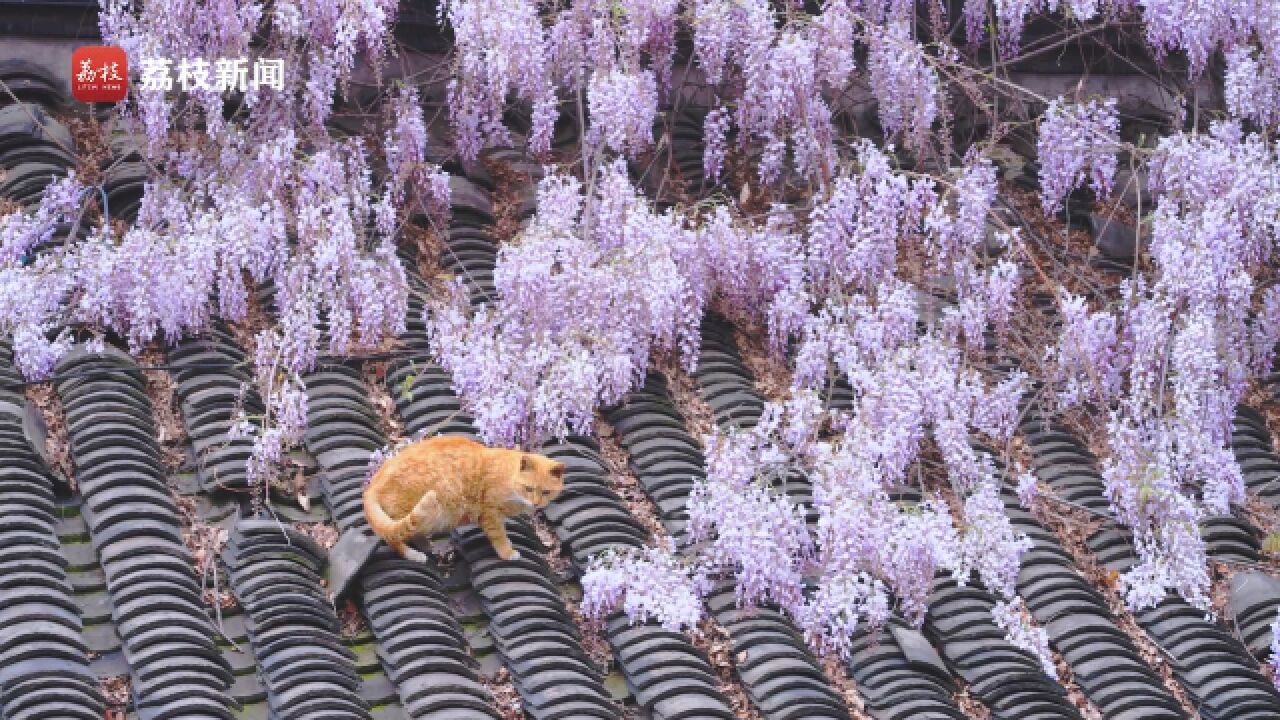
(526,463)
(557,472)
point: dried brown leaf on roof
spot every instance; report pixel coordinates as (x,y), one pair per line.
(205,543)
(444,552)
(93,151)
(556,556)
(699,420)
(1060,253)
(771,377)
(673,184)
(160,389)
(428,247)
(375,376)
(1261,397)
(325,534)
(1118,209)
(624,483)
(972,707)
(1265,398)
(351,621)
(1087,709)
(1220,588)
(594,643)
(844,685)
(116,693)
(1261,515)
(508,186)
(741,181)
(293,485)
(256,319)
(505,698)
(220,598)
(57,444)
(713,640)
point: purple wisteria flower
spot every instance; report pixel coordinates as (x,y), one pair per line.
(1077,142)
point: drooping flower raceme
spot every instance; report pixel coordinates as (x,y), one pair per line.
(1197,27)
(33,284)
(1086,364)
(1175,359)
(500,49)
(715,138)
(854,231)
(989,544)
(1077,141)
(244,190)
(1252,87)
(782,106)
(956,228)
(592,288)
(865,547)
(623,106)
(754,270)
(753,529)
(286,411)
(21,232)
(905,86)
(645,583)
(405,150)
(1015,620)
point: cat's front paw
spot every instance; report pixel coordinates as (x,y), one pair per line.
(415,555)
(513,555)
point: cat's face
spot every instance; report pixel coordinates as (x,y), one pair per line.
(541,479)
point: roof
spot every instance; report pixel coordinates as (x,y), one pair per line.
(118,571)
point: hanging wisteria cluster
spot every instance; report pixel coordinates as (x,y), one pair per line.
(593,288)
(1076,141)
(832,288)
(872,549)
(265,198)
(648,583)
(1174,361)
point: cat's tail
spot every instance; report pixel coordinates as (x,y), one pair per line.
(394,531)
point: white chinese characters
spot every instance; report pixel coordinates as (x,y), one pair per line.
(107,72)
(222,75)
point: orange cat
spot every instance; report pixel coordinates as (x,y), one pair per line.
(443,482)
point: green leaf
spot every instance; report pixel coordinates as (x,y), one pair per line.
(1271,545)
(1145,493)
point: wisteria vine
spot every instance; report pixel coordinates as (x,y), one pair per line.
(257,206)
